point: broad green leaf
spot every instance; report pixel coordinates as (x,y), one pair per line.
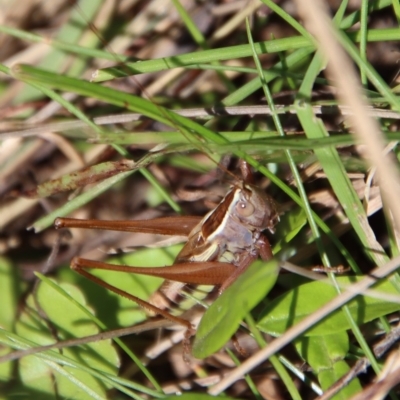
(10,288)
(115,310)
(68,321)
(329,376)
(9,293)
(293,306)
(326,355)
(223,317)
(322,351)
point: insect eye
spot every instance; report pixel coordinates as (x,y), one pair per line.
(244,209)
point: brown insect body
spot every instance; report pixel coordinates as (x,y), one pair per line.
(220,247)
(231,233)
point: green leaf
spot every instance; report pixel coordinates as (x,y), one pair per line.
(223,317)
(68,321)
(293,306)
(228,53)
(329,376)
(10,289)
(326,355)
(322,351)
(9,293)
(114,310)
